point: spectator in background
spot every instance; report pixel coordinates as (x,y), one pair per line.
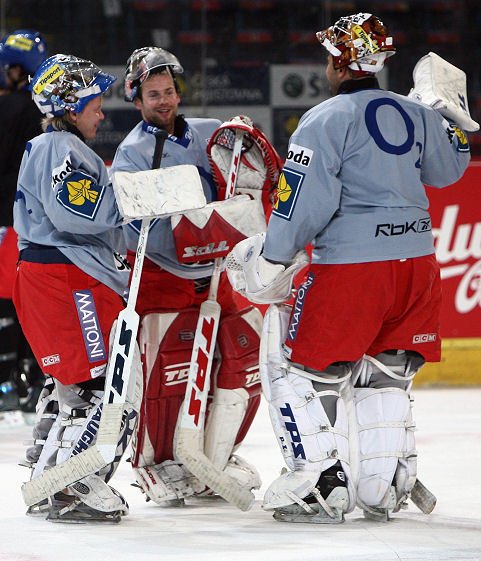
(21,53)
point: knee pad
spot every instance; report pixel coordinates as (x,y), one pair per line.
(166,341)
(388,460)
(237,388)
(309,442)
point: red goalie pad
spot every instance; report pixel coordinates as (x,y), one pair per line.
(260,164)
(166,341)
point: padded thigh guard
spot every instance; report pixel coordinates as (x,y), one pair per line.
(388,459)
(237,388)
(309,442)
(166,341)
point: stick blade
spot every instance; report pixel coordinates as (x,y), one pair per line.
(188,452)
(422,497)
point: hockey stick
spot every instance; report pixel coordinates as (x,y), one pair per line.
(189,446)
(119,370)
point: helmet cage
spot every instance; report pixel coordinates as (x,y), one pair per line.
(67,83)
(360,42)
(142,62)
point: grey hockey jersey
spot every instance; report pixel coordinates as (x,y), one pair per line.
(353,181)
(64,200)
(135,153)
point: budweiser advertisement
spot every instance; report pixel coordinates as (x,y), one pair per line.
(456,219)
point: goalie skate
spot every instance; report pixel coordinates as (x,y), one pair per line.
(67,509)
(315,509)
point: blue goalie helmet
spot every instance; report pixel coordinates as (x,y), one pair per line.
(67,83)
(25,48)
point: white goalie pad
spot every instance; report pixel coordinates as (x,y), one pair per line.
(159,192)
(308,441)
(386,446)
(443,86)
(213,231)
(257,279)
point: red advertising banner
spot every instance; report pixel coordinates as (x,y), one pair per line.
(456,218)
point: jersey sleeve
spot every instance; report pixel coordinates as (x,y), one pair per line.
(79,199)
(309,188)
(449,153)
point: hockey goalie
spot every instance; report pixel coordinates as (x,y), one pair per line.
(337,367)
(176,280)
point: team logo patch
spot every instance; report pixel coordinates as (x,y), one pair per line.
(463,144)
(288,189)
(89,323)
(299,155)
(298,306)
(79,194)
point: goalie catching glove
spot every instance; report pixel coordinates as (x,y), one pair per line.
(443,86)
(258,279)
(260,164)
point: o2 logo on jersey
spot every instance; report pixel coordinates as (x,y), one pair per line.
(288,189)
(370,117)
(80,195)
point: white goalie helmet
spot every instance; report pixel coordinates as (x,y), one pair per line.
(142,62)
(360,41)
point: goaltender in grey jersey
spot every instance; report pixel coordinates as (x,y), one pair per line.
(355,184)
(62,203)
(135,153)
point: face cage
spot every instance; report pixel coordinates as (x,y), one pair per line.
(79,75)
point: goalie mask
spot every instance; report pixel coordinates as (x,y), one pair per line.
(360,41)
(67,83)
(142,62)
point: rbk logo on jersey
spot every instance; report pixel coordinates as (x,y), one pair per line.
(80,195)
(299,155)
(288,189)
(415,227)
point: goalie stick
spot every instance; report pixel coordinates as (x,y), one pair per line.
(189,446)
(119,370)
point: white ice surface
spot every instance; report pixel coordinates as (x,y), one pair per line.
(449,446)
